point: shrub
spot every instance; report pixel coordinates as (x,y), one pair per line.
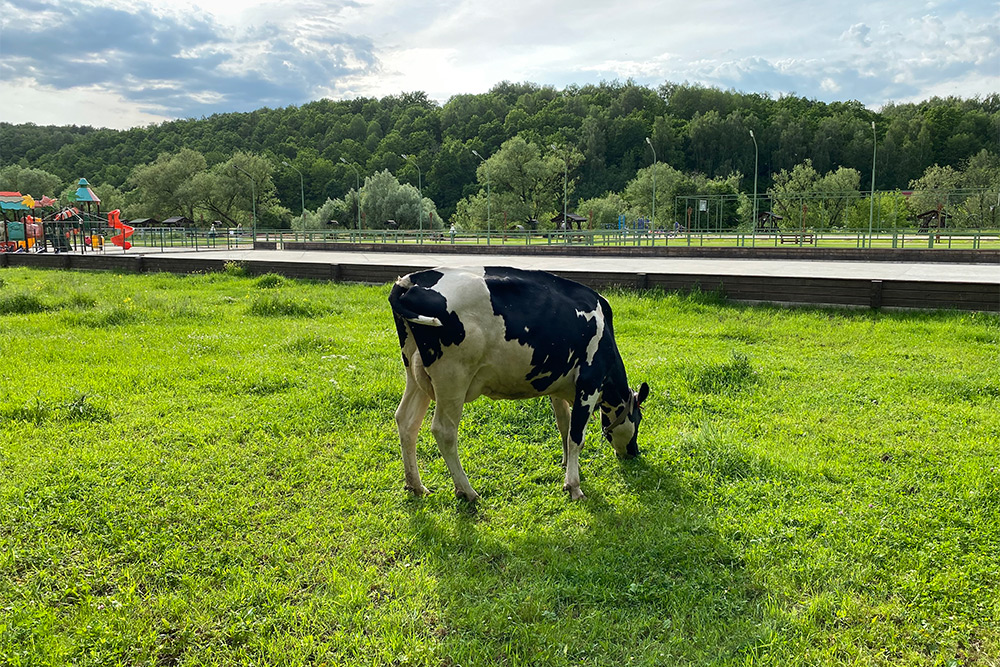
(235,269)
(280,305)
(269,281)
(726,377)
(20,303)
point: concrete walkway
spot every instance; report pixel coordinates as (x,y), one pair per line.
(930,272)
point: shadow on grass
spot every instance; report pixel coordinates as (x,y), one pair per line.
(639,575)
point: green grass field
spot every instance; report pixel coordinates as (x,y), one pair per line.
(204,470)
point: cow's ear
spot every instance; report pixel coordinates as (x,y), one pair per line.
(642,394)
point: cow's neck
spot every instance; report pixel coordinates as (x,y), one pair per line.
(616,391)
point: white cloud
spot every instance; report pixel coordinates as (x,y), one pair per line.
(185,58)
(858,34)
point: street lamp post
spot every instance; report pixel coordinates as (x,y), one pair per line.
(302,189)
(652,219)
(871,202)
(565,183)
(357,175)
(420,215)
(756,155)
(253,200)
(476,153)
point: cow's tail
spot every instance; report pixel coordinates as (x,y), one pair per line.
(401,306)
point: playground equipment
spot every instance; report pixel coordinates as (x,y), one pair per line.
(114,220)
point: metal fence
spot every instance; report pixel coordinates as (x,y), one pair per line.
(167,239)
(952,239)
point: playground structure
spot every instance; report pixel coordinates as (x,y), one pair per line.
(38,225)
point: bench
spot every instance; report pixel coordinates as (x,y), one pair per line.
(798,239)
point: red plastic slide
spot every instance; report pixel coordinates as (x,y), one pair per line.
(114,219)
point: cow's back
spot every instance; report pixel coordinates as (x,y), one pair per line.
(514,333)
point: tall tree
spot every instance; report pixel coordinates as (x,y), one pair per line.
(166,186)
(29,181)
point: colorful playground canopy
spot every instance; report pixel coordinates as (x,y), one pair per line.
(15,201)
(85,194)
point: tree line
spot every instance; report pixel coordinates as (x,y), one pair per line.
(510,155)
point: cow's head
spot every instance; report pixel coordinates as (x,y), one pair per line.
(620,423)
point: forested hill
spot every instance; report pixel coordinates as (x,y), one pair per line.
(693,128)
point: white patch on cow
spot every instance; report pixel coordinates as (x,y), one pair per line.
(425,320)
(598,317)
(622,435)
(456,287)
(591,401)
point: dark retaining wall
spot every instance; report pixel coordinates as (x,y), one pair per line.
(773,289)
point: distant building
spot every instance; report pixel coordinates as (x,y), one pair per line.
(767,221)
(933,219)
(572,218)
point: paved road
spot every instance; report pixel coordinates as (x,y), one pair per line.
(936,272)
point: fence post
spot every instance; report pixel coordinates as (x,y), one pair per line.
(876,294)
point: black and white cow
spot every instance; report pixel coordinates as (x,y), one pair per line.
(508,333)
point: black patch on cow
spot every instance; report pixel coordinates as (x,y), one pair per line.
(539,310)
(422,300)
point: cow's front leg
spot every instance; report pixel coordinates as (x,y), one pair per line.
(579,416)
(562,411)
(444,426)
(409,417)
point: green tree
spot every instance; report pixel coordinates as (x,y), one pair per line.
(232,190)
(806,198)
(332,214)
(935,189)
(523,184)
(166,186)
(670,184)
(29,181)
(603,211)
(981,206)
(891,210)
(383,198)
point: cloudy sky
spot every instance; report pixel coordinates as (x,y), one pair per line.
(117,63)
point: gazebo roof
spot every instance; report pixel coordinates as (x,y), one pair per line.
(574,217)
(85,194)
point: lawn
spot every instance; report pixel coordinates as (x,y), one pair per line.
(204,470)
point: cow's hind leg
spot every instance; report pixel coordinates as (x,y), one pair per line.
(444,426)
(409,417)
(561,409)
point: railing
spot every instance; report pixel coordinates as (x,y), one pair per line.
(953,239)
(165,239)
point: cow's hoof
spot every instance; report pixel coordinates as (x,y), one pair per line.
(470,497)
(575,493)
(418,490)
